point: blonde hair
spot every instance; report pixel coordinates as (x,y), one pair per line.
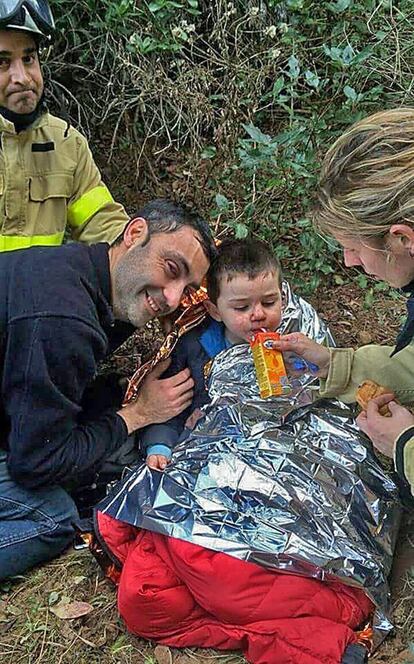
(367,177)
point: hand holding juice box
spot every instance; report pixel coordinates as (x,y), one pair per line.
(270,367)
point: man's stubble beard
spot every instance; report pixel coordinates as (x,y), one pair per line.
(129,308)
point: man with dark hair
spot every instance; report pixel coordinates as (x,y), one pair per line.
(49,182)
(58,307)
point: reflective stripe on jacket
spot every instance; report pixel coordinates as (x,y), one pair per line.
(48,181)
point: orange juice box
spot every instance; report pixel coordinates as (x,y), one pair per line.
(269,365)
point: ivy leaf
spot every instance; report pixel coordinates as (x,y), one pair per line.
(342,56)
(362,55)
(222,202)
(339,6)
(294,69)
(350,93)
(312,79)
(257,135)
(348,54)
(209,152)
(362,281)
(241,231)
(154,7)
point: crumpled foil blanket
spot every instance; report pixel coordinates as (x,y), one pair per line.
(288,482)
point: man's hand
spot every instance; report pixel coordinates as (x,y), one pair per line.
(157,461)
(384,431)
(159,399)
(306,348)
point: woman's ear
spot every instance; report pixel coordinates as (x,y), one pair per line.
(212,310)
(404,235)
(136,233)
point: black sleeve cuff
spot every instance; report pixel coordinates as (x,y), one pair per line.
(406,435)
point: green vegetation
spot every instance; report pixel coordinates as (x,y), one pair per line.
(244,96)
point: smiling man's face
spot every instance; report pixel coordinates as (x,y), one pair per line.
(149,280)
(21,81)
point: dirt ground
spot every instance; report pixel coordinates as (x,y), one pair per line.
(31,633)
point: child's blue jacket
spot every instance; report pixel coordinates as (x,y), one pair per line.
(193,350)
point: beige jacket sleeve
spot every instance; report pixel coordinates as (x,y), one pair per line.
(349,368)
(93,215)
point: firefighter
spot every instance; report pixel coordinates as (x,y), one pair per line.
(49,182)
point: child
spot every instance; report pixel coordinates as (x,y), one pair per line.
(244,290)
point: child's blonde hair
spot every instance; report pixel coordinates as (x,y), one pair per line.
(367,178)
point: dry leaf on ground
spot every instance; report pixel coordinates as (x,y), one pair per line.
(163,655)
(71,610)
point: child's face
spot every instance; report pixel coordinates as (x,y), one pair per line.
(246,305)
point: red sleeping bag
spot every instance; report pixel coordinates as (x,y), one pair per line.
(181,595)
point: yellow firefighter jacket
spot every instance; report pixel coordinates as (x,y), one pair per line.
(50,182)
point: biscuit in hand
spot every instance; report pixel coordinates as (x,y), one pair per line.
(369,390)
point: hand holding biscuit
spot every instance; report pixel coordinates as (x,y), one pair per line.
(382,430)
(369,390)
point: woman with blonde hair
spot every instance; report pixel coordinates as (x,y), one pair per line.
(366,202)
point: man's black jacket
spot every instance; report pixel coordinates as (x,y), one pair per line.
(56,324)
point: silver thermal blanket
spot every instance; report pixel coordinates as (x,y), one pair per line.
(287,482)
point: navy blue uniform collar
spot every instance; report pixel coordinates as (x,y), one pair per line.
(100,258)
(99,254)
(406,334)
